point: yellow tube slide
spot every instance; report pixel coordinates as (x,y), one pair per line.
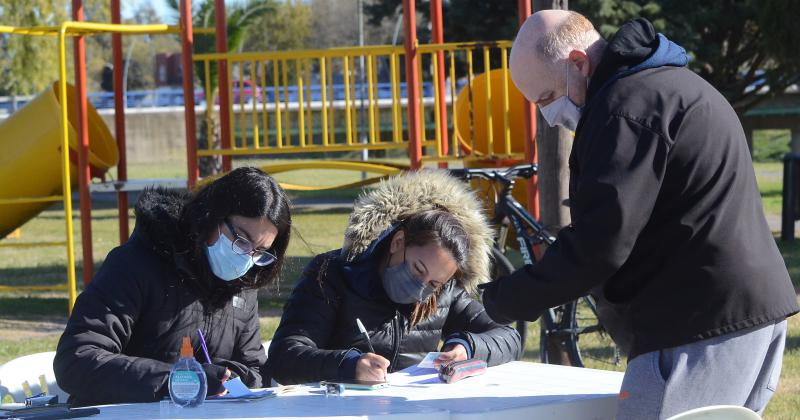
(31,154)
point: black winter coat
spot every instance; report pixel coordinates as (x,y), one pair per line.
(667,221)
(318,326)
(126,328)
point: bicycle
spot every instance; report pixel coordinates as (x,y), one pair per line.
(564,326)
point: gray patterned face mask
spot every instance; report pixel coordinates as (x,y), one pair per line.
(403,286)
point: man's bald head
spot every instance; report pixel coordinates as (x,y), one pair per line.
(545,40)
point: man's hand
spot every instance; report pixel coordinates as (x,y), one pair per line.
(452,353)
(371,367)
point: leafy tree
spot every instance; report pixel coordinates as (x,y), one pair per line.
(463,20)
(28,64)
(241,18)
(734,44)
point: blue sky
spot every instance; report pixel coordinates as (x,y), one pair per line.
(129,6)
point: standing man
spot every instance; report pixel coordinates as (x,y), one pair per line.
(668,229)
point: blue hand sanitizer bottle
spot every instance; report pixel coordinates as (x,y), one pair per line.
(187,380)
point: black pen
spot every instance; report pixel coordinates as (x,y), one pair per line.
(364,331)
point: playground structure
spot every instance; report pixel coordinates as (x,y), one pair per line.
(492,124)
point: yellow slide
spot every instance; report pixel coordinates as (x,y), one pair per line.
(475,123)
(30,154)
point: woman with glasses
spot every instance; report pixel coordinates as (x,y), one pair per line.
(193,265)
(415,250)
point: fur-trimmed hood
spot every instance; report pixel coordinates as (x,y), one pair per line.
(379,209)
(158,213)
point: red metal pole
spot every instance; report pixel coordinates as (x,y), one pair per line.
(187,40)
(119,124)
(438,38)
(83,147)
(224,84)
(532,189)
(412,83)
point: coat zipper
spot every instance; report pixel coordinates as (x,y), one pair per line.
(397,336)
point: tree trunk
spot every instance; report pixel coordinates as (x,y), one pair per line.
(210,165)
(553,147)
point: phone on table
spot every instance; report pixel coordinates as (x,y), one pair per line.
(357,384)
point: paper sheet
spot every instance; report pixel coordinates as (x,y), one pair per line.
(427,362)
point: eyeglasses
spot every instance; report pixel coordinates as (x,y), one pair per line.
(242,246)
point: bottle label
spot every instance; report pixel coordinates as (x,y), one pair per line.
(185,384)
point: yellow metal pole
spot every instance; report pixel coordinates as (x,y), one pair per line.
(437,116)
(397,124)
(229,109)
(453,85)
(347,110)
(264,114)
(421,98)
(323,90)
(331,98)
(242,126)
(471,76)
(65,175)
(209,107)
(301,118)
(254,103)
(377,98)
(371,98)
(309,98)
(276,66)
(487,68)
(288,128)
(506,127)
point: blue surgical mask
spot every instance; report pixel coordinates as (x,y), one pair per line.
(225,263)
(403,287)
(562,111)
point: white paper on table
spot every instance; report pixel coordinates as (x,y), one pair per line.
(427,362)
(414,376)
(236,387)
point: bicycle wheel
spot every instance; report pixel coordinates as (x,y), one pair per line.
(554,342)
(586,341)
(503,267)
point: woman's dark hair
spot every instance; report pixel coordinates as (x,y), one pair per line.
(246,192)
(438,227)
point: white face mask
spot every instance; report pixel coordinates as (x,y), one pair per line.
(562,111)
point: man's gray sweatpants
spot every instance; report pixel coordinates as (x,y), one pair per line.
(741,368)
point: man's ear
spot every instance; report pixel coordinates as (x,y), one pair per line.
(581,61)
(398,241)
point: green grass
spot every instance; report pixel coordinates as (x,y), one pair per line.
(29,321)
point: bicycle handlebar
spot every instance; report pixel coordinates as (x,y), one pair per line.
(496,174)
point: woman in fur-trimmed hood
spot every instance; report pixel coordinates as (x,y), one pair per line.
(415,247)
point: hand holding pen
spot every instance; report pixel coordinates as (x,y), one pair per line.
(212,370)
(370,366)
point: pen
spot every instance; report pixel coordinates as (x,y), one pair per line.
(364,331)
(203,344)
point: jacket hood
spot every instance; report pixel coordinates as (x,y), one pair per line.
(635,47)
(158,213)
(377,211)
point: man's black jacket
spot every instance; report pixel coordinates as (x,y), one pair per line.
(668,224)
(125,331)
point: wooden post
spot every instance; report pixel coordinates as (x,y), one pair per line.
(553,148)
(531,187)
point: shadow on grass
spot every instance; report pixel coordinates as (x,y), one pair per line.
(792,342)
(42,275)
(23,307)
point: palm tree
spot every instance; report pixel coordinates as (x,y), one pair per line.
(240,18)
